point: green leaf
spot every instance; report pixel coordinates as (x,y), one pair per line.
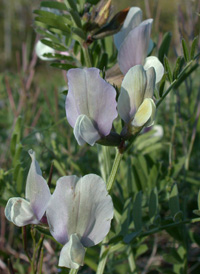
(20,181)
(61,18)
(53,5)
(178,217)
(72,4)
(103,61)
(137,211)
(142,248)
(174,200)
(54,45)
(13,143)
(78,32)
(162,85)
(177,68)
(164,47)
(168,69)
(153,204)
(47,35)
(196,212)
(185,51)
(198,200)
(172,257)
(55,23)
(193,47)
(63,66)
(76,18)
(125,219)
(129,237)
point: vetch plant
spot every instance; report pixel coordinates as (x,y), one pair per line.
(146,177)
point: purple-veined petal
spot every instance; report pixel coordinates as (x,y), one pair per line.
(19,212)
(37,190)
(85,131)
(134,49)
(80,206)
(151,82)
(89,94)
(145,114)
(133,19)
(132,92)
(153,61)
(72,254)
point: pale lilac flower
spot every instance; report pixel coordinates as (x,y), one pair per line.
(37,194)
(90,105)
(134,44)
(135,104)
(79,214)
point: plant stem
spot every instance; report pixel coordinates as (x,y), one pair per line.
(158,229)
(103,258)
(73,271)
(86,55)
(114,170)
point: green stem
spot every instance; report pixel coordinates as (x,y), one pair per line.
(86,55)
(73,271)
(103,258)
(158,229)
(176,81)
(114,170)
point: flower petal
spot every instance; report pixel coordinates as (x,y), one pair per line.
(59,208)
(72,254)
(41,49)
(37,190)
(153,61)
(133,19)
(89,94)
(19,212)
(80,206)
(151,81)
(85,131)
(132,92)
(145,114)
(134,49)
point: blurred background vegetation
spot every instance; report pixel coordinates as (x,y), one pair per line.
(32,115)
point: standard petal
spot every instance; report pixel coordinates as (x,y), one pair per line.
(85,131)
(134,49)
(89,94)
(60,207)
(72,254)
(153,61)
(80,206)
(132,92)
(133,19)
(95,210)
(145,114)
(41,49)
(37,190)
(19,212)
(151,82)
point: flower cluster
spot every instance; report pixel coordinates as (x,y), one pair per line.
(91,105)
(78,213)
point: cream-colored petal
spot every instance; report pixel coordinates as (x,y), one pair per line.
(153,61)
(145,114)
